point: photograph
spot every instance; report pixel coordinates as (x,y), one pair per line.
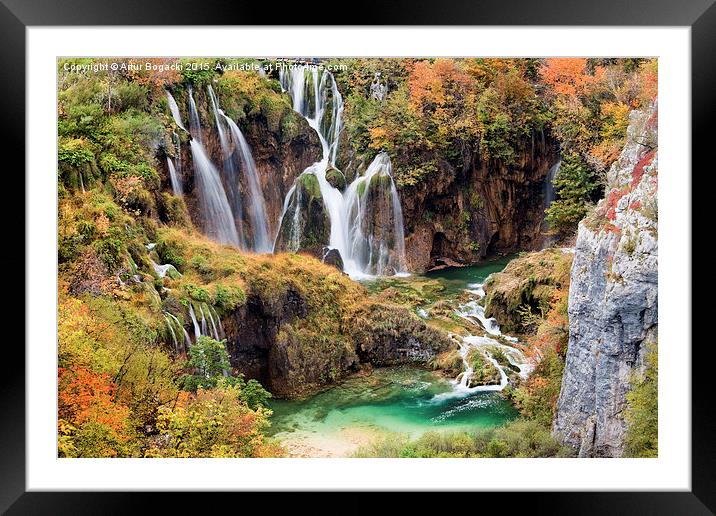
(357,257)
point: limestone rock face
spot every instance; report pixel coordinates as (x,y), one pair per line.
(613,298)
(486,209)
(279,161)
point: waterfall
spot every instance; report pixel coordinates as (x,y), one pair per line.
(197,331)
(174,177)
(549,195)
(175,110)
(549,184)
(219,222)
(218,219)
(375,245)
(366,221)
(194,121)
(257,205)
(171,330)
(187,340)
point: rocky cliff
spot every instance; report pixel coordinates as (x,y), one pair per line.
(612,298)
(486,209)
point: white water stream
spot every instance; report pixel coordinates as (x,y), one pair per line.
(487,345)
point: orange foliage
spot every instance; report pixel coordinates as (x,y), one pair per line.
(85,396)
(431,83)
(566,76)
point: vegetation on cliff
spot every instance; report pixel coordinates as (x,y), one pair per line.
(642,415)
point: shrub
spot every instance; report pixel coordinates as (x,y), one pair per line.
(642,414)
(214,422)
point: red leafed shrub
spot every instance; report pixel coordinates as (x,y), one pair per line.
(611,228)
(612,201)
(635,205)
(638,171)
(85,396)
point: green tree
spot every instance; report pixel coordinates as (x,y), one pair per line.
(574,185)
(208,359)
(642,414)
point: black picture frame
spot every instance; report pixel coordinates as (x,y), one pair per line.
(16,15)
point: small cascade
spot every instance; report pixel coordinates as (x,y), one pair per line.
(549,192)
(205,324)
(197,331)
(176,327)
(160,270)
(366,221)
(549,196)
(174,108)
(171,330)
(174,178)
(208,324)
(487,345)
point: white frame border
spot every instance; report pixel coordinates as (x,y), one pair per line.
(672,470)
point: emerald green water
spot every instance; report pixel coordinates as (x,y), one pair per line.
(456,279)
(390,400)
(393,399)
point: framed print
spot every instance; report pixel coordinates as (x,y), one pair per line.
(369,258)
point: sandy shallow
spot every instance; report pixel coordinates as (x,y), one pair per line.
(342,443)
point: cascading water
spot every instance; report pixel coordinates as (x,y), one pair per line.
(174,108)
(549,192)
(487,346)
(549,195)
(174,178)
(257,205)
(230,173)
(255,200)
(366,221)
(372,202)
(218,218)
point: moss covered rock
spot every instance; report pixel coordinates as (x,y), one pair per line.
(522,293)
(336,178)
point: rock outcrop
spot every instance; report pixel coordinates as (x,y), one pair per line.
(267,340)
(613,298)
(523,290)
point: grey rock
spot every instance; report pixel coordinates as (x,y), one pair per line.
(613,301)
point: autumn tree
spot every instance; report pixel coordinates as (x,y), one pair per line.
(213,422)
(90,421)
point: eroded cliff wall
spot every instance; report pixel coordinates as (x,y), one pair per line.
(613,298)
